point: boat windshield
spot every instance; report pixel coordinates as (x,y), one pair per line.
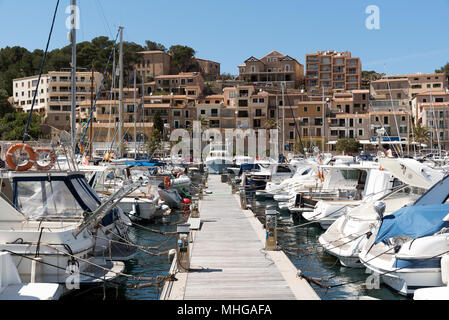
(61,197)
(36,199)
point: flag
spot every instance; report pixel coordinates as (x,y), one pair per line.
(85,161)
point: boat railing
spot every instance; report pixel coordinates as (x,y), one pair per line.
(94,218)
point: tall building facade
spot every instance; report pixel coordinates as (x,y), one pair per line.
(332,71)
(53,99)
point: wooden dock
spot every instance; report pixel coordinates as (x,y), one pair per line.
(228,260)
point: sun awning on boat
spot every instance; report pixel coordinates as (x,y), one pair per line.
(414,222)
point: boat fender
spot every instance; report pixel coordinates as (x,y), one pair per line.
(22,147)
(136,209)
(167,183)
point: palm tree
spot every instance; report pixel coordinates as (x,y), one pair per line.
(204,122)
(421,134)
(271,124)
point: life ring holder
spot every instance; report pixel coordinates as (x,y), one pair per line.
(52,159)
(22,147)
(167,183)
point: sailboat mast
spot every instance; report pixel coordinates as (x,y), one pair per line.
(135,113)
(92,98)
(73,89)
(120,130)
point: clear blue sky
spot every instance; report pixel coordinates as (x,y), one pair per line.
(412,36)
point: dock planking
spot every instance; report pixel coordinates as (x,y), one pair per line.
(228,259)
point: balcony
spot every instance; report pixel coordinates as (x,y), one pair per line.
(339,62)
(312,59)
(312,67)
(339,70)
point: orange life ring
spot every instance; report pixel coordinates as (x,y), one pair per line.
(167,183)
(52,160)
(20,147)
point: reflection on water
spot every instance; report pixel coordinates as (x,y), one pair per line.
(308,257)
(304,252)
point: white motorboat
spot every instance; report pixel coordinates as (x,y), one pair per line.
(270,171)
(142,204)
(347,235)
(40,214)
(407,247)
(369,183)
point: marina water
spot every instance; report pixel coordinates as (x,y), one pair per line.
(301,247)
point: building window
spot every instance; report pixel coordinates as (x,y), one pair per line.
(360,132)
(203,111)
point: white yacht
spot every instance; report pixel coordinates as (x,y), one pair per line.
(41,218)
(142,204)
(353,185)
(346,237)
(407,247)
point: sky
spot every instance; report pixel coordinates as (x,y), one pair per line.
(412,35)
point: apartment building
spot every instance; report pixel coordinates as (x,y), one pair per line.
(190,84)
(157,63)
(272,70)
(250,106)
(407,86)
(431,109)
(332,71)
(54,95)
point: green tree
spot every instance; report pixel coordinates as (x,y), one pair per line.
(350,146)
(12,126)
(204,122)
(153,46)
(158,123)
(444,68)
(182,57)
(371,75)
(155,142)
(420,134)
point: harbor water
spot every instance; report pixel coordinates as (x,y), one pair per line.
(301,248)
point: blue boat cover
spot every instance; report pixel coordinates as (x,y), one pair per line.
(414,222)
(141,164)
(244,167)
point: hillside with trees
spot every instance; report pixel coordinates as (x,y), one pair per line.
(18,62)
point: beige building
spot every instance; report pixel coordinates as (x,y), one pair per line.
(157,63)
(54,96)
(407,86)
(189,83)
(272,70)
(333,71)
(154,63)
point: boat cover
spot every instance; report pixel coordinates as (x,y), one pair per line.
(414,222)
